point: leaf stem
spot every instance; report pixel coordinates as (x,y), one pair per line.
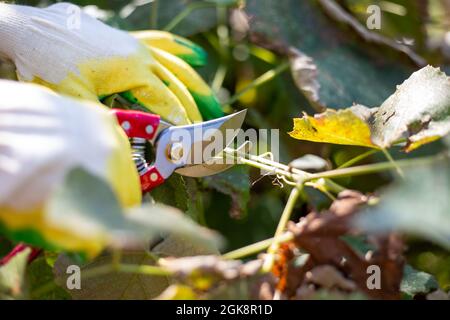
(391,160)
(102,270)
(262,79)
(358,158)
(300,176)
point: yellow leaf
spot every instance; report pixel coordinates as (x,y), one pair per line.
(338,127)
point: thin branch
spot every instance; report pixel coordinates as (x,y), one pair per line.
(335,11)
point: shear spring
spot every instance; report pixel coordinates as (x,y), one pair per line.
(138,155)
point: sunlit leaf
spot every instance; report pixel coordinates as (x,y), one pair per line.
(86,206)
(111,284)
(340,127)
(418,111)
(348,70)
(40,274)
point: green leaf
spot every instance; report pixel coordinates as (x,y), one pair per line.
(173,193)
(419,110)
(234,182)
(348,70)
(418,205)
(113,285)
(358,243)
(195,201)
(417,282)
(86,205)
(12,276)
(40,274)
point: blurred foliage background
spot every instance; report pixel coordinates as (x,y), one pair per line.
(250,45)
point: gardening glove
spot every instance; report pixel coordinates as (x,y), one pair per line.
(42,137)
(72,53)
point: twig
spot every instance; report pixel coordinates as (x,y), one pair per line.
(372,168)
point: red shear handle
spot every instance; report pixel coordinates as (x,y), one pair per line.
(16,250)
(151,179)
(137,124)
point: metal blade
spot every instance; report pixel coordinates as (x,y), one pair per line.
(194,143)
(203,170)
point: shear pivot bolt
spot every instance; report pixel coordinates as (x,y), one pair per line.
(153,177)
(176,151)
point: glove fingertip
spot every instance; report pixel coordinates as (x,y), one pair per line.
(197,57)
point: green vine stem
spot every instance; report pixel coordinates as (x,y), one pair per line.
(257,247)
(269,259)
(302,176)
(262,79)
(358,158)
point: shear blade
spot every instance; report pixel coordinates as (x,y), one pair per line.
(223,124)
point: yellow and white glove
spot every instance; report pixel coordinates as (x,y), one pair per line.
(72,53)
(42,137)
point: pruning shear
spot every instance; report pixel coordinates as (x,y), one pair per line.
(176,146)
